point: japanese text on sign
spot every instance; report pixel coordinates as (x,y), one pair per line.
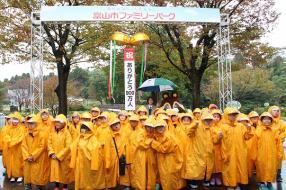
(129,79)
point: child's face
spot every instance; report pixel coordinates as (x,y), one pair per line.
(115,127)
(59,125)
(122,117)
(44,116)
(15,121)
(31,126)
(133,123)
(254,119)
(275,113)
(266,121)
(174,118)
(75,119)
(197,115)
(217,117)
(186,120)
(207,122)
(232,117)
(141,113)
(149,129)
(94,113)
(160,129)
(103,120)
(142,121)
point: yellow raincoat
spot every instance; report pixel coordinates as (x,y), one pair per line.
(112,158)
(234,150)
(103,130)
(251,146)
(269,151)
(87,161)
(74,127)
(197,114)
(59,144)
(4,142)
(217,146)
(199,152)
(13,140)
(46,128)
(280,125)
(143,110)
(33,145)
(169,159)
(143,162)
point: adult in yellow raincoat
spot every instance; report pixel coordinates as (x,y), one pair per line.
(13,139)
(216,125)
(143,162)
(116,148)
(59,152)
(280,125)
(199,153)
(87,160)
(33,146)
(169,154)
(74,126)
(269,150)
(234,149)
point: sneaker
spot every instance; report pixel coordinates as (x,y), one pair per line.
(263,186)
(20,180)
(193,186)
(218,181)
(237,188)
(270,186)
(279,177)
(212,182)
(206,184)
(12,180)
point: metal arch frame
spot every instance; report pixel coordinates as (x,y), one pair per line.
(36,74)
(224,62)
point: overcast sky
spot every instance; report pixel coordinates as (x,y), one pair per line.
(276,38)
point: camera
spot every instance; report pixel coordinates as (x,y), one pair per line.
(122,165)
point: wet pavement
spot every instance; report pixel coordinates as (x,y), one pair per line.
(6,185)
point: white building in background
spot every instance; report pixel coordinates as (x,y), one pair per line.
(18,97)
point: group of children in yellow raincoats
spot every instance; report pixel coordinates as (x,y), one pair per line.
(105,150)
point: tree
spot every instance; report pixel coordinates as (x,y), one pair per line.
(251,87)
(66,44)
(3,92)
(97,85)
(192,54)
(50,97)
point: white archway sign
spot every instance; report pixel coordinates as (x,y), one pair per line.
(165,15)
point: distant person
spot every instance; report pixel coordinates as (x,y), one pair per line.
(150,105)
